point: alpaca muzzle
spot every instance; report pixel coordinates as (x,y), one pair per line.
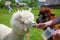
(34,25)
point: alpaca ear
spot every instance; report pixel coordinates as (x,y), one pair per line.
(30,9)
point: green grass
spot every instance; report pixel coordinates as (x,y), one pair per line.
(35,34)
(56,11)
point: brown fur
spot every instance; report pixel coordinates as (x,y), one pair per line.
(51,16)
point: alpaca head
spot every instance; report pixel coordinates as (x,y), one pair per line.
(22,20)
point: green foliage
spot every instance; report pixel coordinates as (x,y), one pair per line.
(25,1)
(13,1)
(2,4)
(13,5)
(32,3)
(3,0)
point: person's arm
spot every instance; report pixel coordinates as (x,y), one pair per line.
(52,22)
(49,23)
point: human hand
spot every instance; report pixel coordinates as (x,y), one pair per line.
(40,25)
(57,33)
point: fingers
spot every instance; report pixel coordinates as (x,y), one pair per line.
(57,33)
(40,25)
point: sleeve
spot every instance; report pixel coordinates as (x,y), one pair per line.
(52,22)
(56,20)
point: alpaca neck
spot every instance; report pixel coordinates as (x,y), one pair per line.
(14,36)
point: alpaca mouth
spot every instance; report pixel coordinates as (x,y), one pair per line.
(33,24)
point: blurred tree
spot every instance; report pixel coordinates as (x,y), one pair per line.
(2,3)
(33,3)
(13,1)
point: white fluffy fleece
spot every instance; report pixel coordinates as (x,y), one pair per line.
(21,21)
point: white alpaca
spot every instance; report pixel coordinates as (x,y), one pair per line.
(21,21)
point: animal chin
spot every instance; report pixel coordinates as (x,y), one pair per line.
(25,29)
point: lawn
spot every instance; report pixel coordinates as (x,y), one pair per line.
(35,34)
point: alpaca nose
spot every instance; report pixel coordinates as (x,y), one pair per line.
(34,25)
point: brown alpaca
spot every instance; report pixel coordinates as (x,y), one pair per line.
(50,16)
